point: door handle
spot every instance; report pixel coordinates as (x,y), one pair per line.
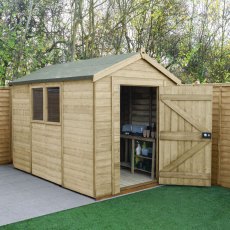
(206,135)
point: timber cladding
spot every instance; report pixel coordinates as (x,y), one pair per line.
(221,135)
(72,135)
(130,75)
(5,126)
(185,112)
(66,119)
(77,134)
(21,130)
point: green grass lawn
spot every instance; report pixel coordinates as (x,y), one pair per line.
(168,207)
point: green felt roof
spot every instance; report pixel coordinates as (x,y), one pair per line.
(82,69)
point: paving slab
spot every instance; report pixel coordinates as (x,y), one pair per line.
(24,196)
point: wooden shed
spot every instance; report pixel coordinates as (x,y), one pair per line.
(101,125)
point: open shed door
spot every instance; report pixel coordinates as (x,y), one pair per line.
(185,123)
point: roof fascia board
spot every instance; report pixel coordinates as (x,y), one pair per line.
(116,67)
(161,68)
(38,81)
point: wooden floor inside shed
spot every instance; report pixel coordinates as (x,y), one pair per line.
(129,179)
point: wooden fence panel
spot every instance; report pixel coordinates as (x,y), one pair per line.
(215,133)
(221,135)
(224,138)
(5,126)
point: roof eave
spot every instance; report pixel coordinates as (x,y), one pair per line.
(88,77)
(161,69)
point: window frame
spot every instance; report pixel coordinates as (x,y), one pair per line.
(32,104)
(45,103)
(47,106)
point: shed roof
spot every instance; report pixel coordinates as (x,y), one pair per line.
(94,69)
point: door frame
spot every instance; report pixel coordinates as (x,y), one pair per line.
(115,158)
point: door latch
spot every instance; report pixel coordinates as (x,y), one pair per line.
(206,135)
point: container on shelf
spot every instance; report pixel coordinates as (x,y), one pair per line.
(145,152)
(138,149)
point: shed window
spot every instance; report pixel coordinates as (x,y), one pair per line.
(53,102)
(38,104)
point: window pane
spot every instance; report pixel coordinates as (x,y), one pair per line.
(53,104)
(38,104)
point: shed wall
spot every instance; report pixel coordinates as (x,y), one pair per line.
(46,152)
(59,152)
(21,130)
(142,73)
(107,120)
(78,158)
(139,73)
(5,126)
(103,138)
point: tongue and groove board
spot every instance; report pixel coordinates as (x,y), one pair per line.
(184,156)
(5,133)
(223,176)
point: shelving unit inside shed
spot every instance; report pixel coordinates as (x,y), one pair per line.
(138,108)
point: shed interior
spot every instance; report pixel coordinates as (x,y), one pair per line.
(138,119)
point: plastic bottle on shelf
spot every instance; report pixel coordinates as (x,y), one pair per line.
(138,149)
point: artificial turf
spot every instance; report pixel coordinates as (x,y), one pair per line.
(167,207)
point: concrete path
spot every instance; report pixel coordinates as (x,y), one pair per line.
(23,196)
